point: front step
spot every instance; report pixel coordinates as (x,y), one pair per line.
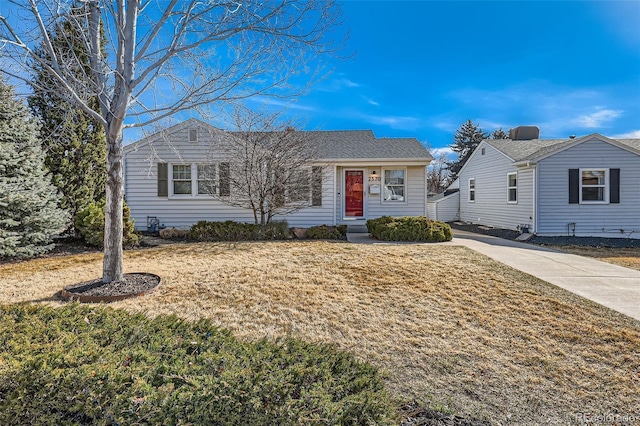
(357,228)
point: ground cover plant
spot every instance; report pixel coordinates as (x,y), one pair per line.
(409,228)
(449,327)
(83,365)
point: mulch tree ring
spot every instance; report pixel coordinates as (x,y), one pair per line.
(95,291)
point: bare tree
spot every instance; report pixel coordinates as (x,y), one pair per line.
(272,169)
(163,57)
(438,176)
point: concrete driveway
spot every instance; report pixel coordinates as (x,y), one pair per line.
(610,285)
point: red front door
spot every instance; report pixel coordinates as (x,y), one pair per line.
(354,193)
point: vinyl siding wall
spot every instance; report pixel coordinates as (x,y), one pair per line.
(600,220)
(415,204)
(491,207)
(183,212)
(446,209)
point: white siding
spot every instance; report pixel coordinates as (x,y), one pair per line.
(445,209)
(554,210)
(141,186)
(375,207)
(491,205)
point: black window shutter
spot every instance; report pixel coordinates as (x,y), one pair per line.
(614,186)
(163,180)
(574,186)
(316,186)
(225,180)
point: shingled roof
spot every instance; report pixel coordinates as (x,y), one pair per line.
(362,144)
(534,149)
(359,145)
(332,144)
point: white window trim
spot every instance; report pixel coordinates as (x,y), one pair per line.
(509,188)
(406,186)
(471,190)
(194,182)
(607,182)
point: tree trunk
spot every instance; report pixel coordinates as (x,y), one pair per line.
(112,269)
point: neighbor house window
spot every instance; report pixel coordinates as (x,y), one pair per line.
(394,185)
(207,179)
(181,179)
(472,190)
(593,185)
(512,187)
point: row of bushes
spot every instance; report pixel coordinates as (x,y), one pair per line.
(238,231)
(409,228)
(90,222)
(130,369)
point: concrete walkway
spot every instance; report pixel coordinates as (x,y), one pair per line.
(610,285)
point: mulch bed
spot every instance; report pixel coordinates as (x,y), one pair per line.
(509,234)
(134,284)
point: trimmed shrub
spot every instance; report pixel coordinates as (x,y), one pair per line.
(238,231)
(90,222)
(409,228)
(131,369)
(326,232)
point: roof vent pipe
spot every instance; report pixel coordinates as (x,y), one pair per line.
(524,133)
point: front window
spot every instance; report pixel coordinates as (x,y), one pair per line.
(472,190)
(181,179)
(593,185)
(394,185)
(206,179)
(298,187)
(512,187)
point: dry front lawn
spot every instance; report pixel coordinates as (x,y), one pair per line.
(450,327)
(627,257)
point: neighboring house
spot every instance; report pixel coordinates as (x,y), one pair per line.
(587,186)
(363,177)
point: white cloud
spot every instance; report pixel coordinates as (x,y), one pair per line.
(634,134)
(436,152)
(597,119)
(395,122)
(371,101)
(558,111)
(337,84)
(280,103)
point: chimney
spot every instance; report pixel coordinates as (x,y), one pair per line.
(524,133)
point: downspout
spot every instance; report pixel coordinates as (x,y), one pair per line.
(335,195)
(535,200)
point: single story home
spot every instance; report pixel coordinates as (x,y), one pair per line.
(358,177)
(587,186)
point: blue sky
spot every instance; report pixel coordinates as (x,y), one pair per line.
(422,68)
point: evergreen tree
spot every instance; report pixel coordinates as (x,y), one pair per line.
(74,143)
(29,212)
(499,134)
(465,141)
